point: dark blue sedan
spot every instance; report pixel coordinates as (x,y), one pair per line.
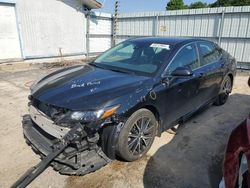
(125,97)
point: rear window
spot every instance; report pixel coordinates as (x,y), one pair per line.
(186,57)
(209,53)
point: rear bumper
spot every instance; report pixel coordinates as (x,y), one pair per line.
(77,159)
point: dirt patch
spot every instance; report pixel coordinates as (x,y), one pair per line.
(65,63)
(116,174)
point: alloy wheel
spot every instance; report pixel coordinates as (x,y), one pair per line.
(141,136)
(227,87)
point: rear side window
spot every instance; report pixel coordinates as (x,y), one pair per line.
(187,57)
(209,53)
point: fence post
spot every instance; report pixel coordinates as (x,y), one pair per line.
(87,33)
(221,26)
(155,31)
(115,23)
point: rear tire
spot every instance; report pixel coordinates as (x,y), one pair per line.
(137,135)
(226,89)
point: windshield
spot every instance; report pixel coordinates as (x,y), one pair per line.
(135,57)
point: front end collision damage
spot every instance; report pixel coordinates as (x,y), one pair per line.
(94,150)
(75,134)
(76,153)
(79,158)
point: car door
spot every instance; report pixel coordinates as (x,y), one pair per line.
(211,70)
(180,96)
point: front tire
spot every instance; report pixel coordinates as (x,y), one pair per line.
(226,89)
(137,135)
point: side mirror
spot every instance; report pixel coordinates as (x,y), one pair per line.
(182,71)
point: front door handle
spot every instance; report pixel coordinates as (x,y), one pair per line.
(166,81)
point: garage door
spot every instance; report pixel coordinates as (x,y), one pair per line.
(9,41)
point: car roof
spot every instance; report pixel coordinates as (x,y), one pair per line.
(166,40)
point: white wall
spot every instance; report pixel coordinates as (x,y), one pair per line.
(100,32)
(9,40)
(48,25)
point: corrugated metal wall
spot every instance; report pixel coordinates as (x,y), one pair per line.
(50,26)
(228,26)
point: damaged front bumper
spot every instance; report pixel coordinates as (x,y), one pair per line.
(78,158)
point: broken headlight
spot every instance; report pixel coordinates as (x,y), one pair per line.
(87,116)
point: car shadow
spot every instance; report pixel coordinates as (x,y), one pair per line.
(194,157)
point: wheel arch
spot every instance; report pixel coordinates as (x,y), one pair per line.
(231,77)
(154,110)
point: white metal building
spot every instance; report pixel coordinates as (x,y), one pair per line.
(9,38)
(42,28)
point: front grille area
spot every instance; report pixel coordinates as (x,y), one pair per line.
(43,133)
(51,111)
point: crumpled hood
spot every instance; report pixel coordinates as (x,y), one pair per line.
(85,87)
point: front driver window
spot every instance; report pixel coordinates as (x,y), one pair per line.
(187,57)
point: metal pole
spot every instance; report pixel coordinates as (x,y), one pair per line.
(115,24)
(156,26)
(221,26)
(87,34)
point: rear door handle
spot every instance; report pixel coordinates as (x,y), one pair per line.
(200,75)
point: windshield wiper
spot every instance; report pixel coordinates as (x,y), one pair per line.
(111,68)
(96,65)
(121,71)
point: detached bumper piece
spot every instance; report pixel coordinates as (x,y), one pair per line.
(78,158)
